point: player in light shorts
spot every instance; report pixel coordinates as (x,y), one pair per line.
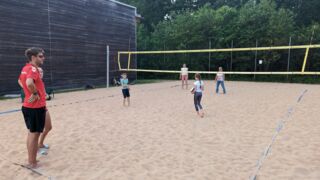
(184,76)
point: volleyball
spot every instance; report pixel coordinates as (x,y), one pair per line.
(192,90)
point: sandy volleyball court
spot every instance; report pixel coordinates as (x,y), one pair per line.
(160,136)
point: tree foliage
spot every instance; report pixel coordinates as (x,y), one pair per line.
(192,24)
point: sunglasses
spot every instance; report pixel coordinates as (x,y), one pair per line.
(40,56)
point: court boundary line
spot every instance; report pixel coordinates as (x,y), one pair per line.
(279,127)
(33,170)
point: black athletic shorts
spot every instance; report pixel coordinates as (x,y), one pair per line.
(125,93)
(34,118)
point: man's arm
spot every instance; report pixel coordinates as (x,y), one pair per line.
(32,88)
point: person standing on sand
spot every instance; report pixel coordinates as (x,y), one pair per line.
(125,88)
(34,105)
(184,76)
(47,125)
(220,81)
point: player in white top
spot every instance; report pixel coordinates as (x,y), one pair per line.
(184,76)
(197,90)
(220,81)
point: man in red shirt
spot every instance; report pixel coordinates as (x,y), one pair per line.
(34,105)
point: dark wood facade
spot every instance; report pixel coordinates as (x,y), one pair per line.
(74,34)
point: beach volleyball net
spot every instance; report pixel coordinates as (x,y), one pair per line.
(277,60)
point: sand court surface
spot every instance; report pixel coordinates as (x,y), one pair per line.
(160,136)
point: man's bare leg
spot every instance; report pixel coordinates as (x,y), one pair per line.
(29,148)
(47,128)
(128,101)
(32,146)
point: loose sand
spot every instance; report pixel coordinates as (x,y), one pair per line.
(161,137)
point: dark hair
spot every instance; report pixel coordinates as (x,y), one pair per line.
(33,51)
(197,75)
